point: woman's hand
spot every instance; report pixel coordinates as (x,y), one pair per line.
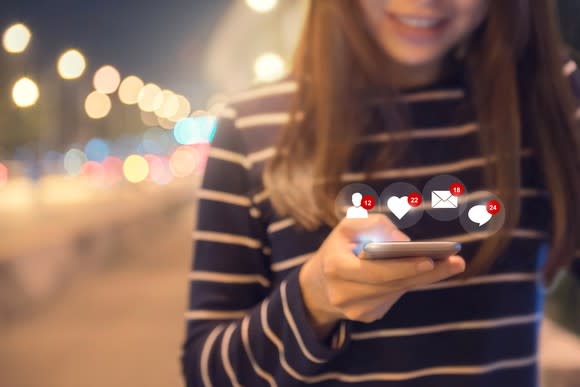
(336,284)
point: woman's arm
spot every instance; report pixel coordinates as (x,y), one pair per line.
(241,330)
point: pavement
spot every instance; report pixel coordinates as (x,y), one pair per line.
(117,325)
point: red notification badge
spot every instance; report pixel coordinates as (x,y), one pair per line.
(414,199)
(493,207)
(457,189)
(368,202)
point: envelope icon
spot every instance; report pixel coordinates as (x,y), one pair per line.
(443,199)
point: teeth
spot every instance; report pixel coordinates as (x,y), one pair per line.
(418,22)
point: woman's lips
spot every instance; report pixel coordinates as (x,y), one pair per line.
(417,29)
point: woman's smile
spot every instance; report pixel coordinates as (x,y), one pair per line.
(416,29)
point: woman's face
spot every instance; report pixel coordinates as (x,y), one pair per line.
(421,32)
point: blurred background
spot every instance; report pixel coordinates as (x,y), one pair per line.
(107,112)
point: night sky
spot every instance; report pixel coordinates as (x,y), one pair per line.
(159,40)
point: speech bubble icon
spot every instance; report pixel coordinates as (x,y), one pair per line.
(479,215)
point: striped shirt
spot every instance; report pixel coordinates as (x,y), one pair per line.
(246,323)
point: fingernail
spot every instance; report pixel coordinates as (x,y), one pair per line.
(425,266)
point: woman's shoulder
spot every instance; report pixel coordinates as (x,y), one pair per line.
(259,102)
(249,125)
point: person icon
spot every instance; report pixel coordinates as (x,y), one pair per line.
(356,211)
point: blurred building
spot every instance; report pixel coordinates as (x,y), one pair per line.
(242,35)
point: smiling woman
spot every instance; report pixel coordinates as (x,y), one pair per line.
(383,91)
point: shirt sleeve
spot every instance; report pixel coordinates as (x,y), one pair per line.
(573,73)
(241,328)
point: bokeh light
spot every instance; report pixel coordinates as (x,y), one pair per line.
(184,161)
(183,109)
(160,171)
(3,174)
(129,90)
(25,92)
(97,105)
(97,149)
(95,171)
(197,129)
(165,123)
(113,170)
(170,105)
(106,79)
(269,67)
(74,160)
(203,152)
(150,158)
(150,97)
(71,64)
(16,38)
(135,168)
(262,6)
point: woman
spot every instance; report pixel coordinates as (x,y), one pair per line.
(278,297)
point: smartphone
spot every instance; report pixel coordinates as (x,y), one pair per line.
(389,250)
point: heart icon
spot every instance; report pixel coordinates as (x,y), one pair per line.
(399,206)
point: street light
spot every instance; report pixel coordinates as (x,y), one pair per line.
(262,6)
(107,79)
(269,67)
(129,90)
(183,110)
(71,64)
(150,97)
(97,105)
(16,38)
(135,168)
(170,105)
(25,92)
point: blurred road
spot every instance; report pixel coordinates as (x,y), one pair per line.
(120,327)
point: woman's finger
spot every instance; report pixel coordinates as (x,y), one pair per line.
(443,269)
(366,271)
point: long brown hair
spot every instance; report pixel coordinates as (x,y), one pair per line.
(514,67)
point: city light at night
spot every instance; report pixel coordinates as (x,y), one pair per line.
(129,90)
(262,6)
(16,38)
(71,64)
(269,67)
(97,105)
(106,79)
(74,160)
(135,168)
(25,92)
(3,174)
(150,97)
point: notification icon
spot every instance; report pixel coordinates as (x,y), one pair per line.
(457,189)
(368,202)
(493,207)
(415,199)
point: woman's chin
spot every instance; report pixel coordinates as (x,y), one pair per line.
(416,58)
